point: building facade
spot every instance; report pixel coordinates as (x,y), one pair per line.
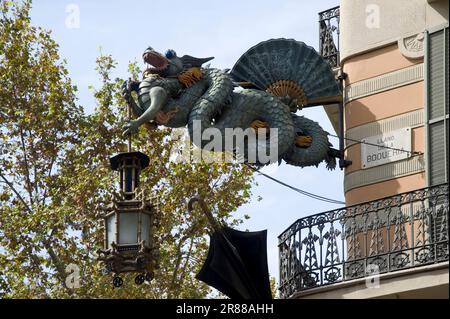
(392,60)
(395,55)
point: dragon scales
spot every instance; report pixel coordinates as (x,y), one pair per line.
(274,79)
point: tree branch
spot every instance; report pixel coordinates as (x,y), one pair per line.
(177,265)
(189,233)
(16,192)
(54,258)
(27,175)
(183,272)
(36,187)
(44,196)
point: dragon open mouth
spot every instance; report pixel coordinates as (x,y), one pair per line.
(158,62)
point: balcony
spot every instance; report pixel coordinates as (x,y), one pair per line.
(329,36)
(329,50)
(385,237)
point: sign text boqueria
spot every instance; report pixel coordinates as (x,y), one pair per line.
(389,147)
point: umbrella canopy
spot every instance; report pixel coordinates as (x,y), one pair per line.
(236,264)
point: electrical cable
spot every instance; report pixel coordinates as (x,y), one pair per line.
(305,193)
(300,191)
(413,153)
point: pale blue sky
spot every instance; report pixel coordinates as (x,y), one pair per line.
(224,29)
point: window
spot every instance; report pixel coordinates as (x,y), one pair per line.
(437,106)
(437,64)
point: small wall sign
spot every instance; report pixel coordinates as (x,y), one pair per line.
(388,147)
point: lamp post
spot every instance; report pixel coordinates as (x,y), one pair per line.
(129,222)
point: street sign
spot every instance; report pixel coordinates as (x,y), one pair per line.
(386,148)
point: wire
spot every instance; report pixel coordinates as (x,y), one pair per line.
(414,153)
(300,191)
(305,193)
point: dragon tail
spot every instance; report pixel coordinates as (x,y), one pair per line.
(320,149)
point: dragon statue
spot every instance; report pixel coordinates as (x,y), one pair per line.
(264,90)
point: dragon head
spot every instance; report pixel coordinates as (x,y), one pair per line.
(158,63)
(169,65)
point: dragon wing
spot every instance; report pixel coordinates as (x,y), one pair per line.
(191,62)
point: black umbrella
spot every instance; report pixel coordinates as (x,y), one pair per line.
(236,264)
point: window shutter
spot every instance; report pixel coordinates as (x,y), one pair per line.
(436,75)
(447,66)
(437,153)
(437,108)
(437,60)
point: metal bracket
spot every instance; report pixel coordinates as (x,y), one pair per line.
(344,163)
(342,75)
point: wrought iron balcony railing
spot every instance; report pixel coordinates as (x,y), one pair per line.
(329,35)
(399,232)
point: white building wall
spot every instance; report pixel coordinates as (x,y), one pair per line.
(369,24)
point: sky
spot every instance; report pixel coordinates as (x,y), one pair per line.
(223,29)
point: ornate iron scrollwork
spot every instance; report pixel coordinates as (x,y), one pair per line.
(394,233)
(329,35)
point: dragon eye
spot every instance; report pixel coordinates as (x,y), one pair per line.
(170,54)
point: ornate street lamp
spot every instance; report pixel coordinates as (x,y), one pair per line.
(129,222)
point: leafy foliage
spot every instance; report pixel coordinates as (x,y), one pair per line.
(54,171)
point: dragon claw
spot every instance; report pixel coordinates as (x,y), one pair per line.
(130,128)
(164,118)
(257,125)
(303,141)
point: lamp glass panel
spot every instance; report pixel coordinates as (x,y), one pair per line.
(128,179)
(121,180)
(136,177)
(111,229)
(145,229)
(128,225)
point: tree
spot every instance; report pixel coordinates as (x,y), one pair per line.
(54,171)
